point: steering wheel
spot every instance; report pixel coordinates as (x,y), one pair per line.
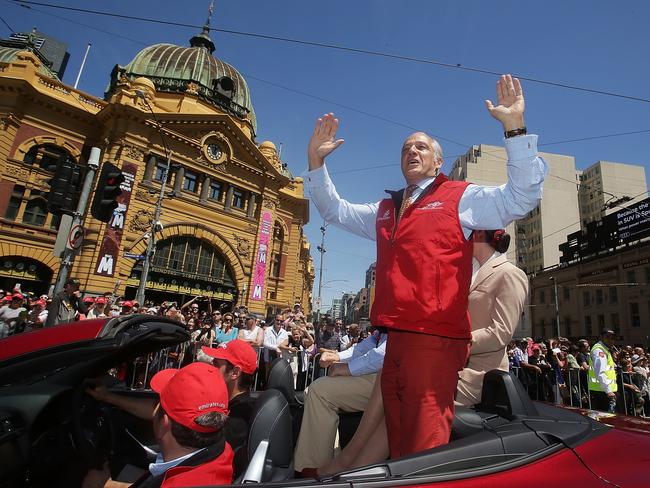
(92,428)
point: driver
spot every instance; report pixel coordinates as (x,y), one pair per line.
(237,362)
(188,425)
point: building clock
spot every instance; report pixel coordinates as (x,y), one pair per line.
(213,151)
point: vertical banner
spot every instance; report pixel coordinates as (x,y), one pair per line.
(110,248)
(259,273)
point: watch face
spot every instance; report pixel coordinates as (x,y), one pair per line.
(214,151)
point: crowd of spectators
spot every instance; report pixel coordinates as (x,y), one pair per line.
(553,370)
(288,334)
(556,370)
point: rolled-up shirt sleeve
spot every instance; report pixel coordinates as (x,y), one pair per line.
(494,207)
(367,357)
(358,218)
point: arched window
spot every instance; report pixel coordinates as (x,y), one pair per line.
(194,259)
(35,212)
(46,156)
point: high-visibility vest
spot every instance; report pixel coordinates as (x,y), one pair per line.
(610,372)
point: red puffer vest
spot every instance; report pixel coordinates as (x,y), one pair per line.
(424,266)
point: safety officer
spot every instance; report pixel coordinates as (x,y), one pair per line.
(602,374)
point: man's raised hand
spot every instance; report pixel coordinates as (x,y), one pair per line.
(323,141)
(510,103)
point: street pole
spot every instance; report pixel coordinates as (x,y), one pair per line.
(155,223)
(557,307)
(155,226)
(321,250)
(69,254)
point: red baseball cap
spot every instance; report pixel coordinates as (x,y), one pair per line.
(128,304)
(100,300)
(89,300)
(236,352)
(17,296)
(42,303)
(190,392)
(6,298)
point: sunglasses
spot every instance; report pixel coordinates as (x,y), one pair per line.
(216,313)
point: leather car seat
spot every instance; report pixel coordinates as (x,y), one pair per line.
(503,394)
(281,379)
(271,421)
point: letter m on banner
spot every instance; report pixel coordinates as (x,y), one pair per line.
(105,266)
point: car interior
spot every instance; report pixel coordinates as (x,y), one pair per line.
(51,431)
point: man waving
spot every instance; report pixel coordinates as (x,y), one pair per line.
(424,262)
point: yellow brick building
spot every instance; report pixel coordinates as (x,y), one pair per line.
(228,192)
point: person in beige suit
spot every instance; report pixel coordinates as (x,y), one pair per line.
(496,302)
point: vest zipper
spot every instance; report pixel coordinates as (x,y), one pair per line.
(438,286)
(392,234)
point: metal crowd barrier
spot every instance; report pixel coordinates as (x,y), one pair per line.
(577,390)
(140,370)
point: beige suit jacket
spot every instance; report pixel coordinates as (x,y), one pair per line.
(496,302)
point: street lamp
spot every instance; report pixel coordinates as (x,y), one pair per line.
(321,250)
(156,226)
(557,308)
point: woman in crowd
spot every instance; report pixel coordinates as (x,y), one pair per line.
(496,301)
(204,336)
(228,331)
(252,333)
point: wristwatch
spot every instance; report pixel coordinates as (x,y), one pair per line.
(515,132)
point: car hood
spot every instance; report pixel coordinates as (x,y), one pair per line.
(36,355)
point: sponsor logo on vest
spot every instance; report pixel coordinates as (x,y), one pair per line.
(432,205)
(386,216)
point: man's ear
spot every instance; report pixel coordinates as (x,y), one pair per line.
(235,373)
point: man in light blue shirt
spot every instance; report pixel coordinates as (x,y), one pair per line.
(347,388)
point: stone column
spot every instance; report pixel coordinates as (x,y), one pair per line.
(149,168)
(229,197)
(251,206)
(178,182)
(205,188)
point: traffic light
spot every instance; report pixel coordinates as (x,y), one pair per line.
(65,185)
(106,192)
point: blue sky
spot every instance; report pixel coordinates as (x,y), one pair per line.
(598,44)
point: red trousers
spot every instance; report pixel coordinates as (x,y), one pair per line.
(418,385)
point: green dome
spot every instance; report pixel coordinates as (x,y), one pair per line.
(8,54)
(172,68)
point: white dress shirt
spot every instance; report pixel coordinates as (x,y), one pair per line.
(480,207)
(272,339)
(159,466)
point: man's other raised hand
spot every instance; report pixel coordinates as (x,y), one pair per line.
(323,141)
(510,106)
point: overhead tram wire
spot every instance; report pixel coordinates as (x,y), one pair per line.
(23,3)
(88,26)
(369,52)
(11,30)
(293,90)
